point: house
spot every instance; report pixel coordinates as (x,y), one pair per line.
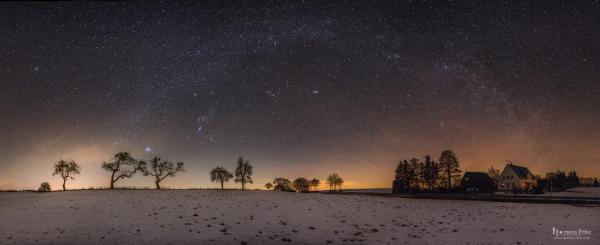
(515,177)
(478,181)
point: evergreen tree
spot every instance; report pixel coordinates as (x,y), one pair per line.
(403,177)
(431,172)
(415,173)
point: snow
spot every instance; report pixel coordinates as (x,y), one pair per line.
(593,192)
(267,217)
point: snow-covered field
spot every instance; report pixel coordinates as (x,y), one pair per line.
(262,217)
(577,192)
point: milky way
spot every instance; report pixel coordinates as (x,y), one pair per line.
(300,89)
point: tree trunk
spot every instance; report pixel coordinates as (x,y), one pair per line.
(112,180)
(158,185)
(449,178)
(64,182)
(243,185)
(221,184)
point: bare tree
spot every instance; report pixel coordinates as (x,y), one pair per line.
(449,166)
(161,169)
(281,184)
(301,184)
(314,183)
(220,174)
(268,186)
(339,182)
(334,180)
(122,166)
(331,181)
(494,173)
(243,172)
(66,170)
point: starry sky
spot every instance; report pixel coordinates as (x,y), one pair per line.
(301,88)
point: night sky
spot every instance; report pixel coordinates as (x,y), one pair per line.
(299,89)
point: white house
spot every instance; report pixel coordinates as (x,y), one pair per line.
(515,177)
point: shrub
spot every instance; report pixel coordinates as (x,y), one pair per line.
(44,187)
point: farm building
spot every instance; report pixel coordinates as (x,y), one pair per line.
(515,177)
(477,181)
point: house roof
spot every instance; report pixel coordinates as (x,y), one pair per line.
(476,176)
(520,171)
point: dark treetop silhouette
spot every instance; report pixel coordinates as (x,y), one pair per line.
(44,187)
(494,173)
(334,180)
(220,174)
(123,166)
(314,183)
(281,184)
(449,165)
(416,175)
(161,169)
(243,172)
(66,170)
(301,184)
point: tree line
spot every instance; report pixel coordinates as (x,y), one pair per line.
(560,180)
(419,175)
(415,175)
(124,166)
(302,184)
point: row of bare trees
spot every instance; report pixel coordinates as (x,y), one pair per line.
(302,184)
(122,166)
(243,174)
(335,182)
